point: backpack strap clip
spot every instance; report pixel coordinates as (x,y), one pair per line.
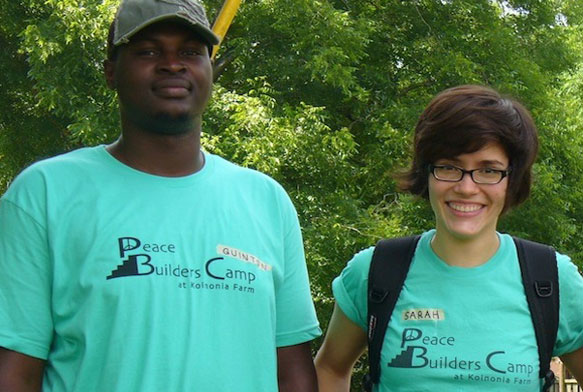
(549,380)
(377,295)
(543,288)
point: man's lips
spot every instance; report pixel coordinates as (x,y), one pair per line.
(172,88)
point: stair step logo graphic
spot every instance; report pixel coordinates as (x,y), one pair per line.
(131,267)
(405,358)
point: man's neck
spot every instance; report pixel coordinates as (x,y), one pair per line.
(159,154)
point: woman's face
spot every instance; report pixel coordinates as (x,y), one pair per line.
(465,210)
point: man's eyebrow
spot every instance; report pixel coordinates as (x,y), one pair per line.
(196,39)
(143,39)
(153,39)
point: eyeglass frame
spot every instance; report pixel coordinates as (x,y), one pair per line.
(504,173)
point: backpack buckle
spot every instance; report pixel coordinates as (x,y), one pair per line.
(549,380)
(543,288)
(367,382)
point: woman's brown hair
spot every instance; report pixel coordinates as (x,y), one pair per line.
(464,119)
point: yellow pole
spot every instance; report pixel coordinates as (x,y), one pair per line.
(224,20)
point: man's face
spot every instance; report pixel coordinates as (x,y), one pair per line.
(163,78)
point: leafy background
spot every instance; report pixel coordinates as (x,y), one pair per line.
(322,95)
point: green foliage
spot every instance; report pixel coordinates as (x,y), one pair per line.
(323,95)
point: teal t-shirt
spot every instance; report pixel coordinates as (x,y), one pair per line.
(462,329)
(125,281)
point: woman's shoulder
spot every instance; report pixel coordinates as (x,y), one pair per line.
(568,271)
(361,261)
(359,264)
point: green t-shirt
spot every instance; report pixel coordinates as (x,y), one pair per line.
(125,281)
(462,329)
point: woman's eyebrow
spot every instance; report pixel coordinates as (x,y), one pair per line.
(484,162)
(491,162)
(449,160)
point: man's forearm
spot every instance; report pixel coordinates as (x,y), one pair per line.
(19,372)
(296,372)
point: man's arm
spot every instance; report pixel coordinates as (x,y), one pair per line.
(295,369)
(344,343)
(19,372)
(574,362)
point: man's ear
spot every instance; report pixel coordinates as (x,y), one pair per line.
(109,73)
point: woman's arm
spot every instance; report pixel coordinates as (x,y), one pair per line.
(574,362)
(19,372)
(344,343)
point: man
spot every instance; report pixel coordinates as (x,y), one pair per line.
(147,264)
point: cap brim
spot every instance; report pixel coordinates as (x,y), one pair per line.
(207,34)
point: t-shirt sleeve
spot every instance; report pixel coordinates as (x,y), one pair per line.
(25,316)
(350,287)
(570,333)
(296,316)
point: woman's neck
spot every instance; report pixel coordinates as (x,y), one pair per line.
(463,252)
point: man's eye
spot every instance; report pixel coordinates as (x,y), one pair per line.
(147,52)
(191,52)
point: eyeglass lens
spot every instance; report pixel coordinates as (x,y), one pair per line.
(481,176)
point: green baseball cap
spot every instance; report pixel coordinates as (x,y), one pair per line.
(133,15)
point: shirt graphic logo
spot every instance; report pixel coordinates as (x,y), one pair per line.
(229,270)
(439,353)
(137,264)
(130,266)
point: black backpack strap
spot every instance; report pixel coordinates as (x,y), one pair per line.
(388,269)
(540,276)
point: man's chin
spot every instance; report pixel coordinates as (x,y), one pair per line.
(167,124)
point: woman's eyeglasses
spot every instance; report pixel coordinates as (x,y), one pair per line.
(479,176)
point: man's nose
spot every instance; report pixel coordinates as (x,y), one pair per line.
(171,63)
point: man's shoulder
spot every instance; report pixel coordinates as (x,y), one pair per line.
(73,158)
(237,172)
(62,167)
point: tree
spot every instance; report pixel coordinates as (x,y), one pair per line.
(323,95)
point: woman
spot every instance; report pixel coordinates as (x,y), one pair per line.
(473,155)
